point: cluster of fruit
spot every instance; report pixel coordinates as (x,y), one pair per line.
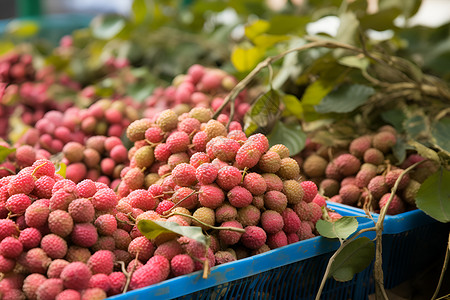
(364,173)
(200,87)
(61,239)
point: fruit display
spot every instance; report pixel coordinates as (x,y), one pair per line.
(363,173)
(128,158)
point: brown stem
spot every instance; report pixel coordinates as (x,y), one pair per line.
(129,275)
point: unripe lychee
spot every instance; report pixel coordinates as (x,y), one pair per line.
(384,141)
(270,162)
(136,130)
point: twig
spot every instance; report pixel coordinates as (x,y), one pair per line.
(444,268)
(130,274)
(332,258)
(179,202)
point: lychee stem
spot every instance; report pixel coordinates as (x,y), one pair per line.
(207,225)
(9,170)
(206,269)
(37,168)
(179,202)
(129,275)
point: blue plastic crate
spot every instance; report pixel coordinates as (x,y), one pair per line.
(291,272)
(412,241)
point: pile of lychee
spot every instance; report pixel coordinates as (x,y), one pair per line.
(364,173)
(65,240)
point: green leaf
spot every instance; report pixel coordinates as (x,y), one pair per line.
(152,229)
(290,135)
(22,28)
(415,126)
(441,133)
(61,169)
(381,20)
(263,113)
(140,91)
(348,28)
(433,196)
(345,99)
(245,59)
(359,62)
(424,151)
(354,258)
(139,9)
(4,152)
(107,26)
(399,149)
(341,228)
(395,117)
(293,106)
(330,75)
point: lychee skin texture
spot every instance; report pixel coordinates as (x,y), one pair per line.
(239,197)
(384,141)
(314,166)
(184,175)
(273,182)
(254,237)
(82,210)
(211,196)
(10,247)
(277,240)
(249,215)
(178,141)
(228,177)
(84,235)
(347,164)
(187,196)
(55,268)
(30,238)
(255,183)
(76,276)
(49,289)
(104,199)
(156,270)
(359,145)
(377,186)
(22,183)
(270,162)
(396,206)
(289,169)
(230,237)
(291,221)
(350,194)
(143,246)
(206,173)
(101,262)
(169,249)
(275,200)
(293,191)
(60,222)
(181,264)
(37,261)
(393,175)
(54,245)
(373,156)
(248,155)
(31,283)
(18,203)
(117,282)
(225,212)
(310,190)
(271,221)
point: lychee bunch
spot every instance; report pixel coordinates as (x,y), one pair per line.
(364,172)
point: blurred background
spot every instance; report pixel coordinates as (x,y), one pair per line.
(432,13)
